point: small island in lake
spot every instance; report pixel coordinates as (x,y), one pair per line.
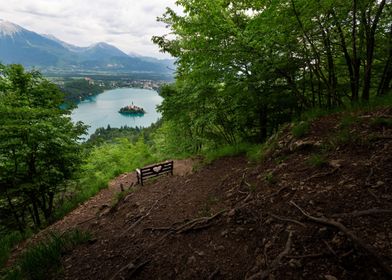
(132,110)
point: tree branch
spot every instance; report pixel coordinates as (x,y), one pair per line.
(364,246)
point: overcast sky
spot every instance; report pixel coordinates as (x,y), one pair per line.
(127,24)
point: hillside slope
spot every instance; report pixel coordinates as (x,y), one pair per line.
(235,220)
(317,207)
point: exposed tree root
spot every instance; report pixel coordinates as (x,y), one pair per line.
(367,181)
(284,219)
(85,221)
(372,211)
(320,175)
(136,269)
(275,263)
(364,246)
(131,270)
(158,229)
(214,274)
(309,256)
(374,195)
(198,223)
(144,216)
(274,193)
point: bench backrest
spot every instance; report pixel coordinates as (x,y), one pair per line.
(154,171)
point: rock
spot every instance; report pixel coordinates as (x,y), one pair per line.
(231,213)
(92,241)
(220,248)
(295,263)
(224,233)
(304,145)
(380,183)
(191,260)
(103,206)
(336,163)
(330,277)
(239,229)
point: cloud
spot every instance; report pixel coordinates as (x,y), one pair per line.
(127,24)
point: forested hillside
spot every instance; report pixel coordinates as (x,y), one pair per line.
(245,67)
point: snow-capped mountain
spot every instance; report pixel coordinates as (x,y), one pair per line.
(19,45)
(9,29)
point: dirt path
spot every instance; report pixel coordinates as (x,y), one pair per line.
(235,220)
(97,205)
(103,200)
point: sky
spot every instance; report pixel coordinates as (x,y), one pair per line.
(126,24)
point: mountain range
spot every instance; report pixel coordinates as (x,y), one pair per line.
(49,54)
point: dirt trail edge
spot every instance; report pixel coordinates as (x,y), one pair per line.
(319,207)
(97,205)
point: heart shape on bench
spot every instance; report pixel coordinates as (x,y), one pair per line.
(157,169)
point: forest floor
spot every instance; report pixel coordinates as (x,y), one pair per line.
(318,207)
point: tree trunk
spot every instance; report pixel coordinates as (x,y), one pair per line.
(35,211)
(387,73)
(370,42)
(15,214)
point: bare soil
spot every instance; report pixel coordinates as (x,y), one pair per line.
(284,218)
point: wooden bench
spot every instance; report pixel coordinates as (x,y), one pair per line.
(154,171)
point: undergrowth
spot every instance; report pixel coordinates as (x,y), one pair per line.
(7,242)
(300,129)
(102,165)
(229,150)
(44,258)
(317,160)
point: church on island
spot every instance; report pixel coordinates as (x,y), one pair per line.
(132,109)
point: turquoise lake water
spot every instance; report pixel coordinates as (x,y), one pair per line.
(102,110)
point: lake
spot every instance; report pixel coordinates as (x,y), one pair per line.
(102,110)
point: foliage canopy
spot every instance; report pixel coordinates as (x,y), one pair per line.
(244,67)
(39,148)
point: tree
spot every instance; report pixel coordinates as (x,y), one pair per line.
(244,67)
(39,148)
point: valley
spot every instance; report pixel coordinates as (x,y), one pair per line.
(52,56)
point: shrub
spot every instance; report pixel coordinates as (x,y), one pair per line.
(381,122)
(7,243)
(300,129)
(45,257)
(317,160)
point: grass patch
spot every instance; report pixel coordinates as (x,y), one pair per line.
(315,113)
(317,160)
(121,195)
(300,129)
(348,120)
(254,152)
(381,122)
(102,165)
(44,258)
(225,151)
(341,138)
(7,243)
(270,178)
(281,159)
(205,211)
